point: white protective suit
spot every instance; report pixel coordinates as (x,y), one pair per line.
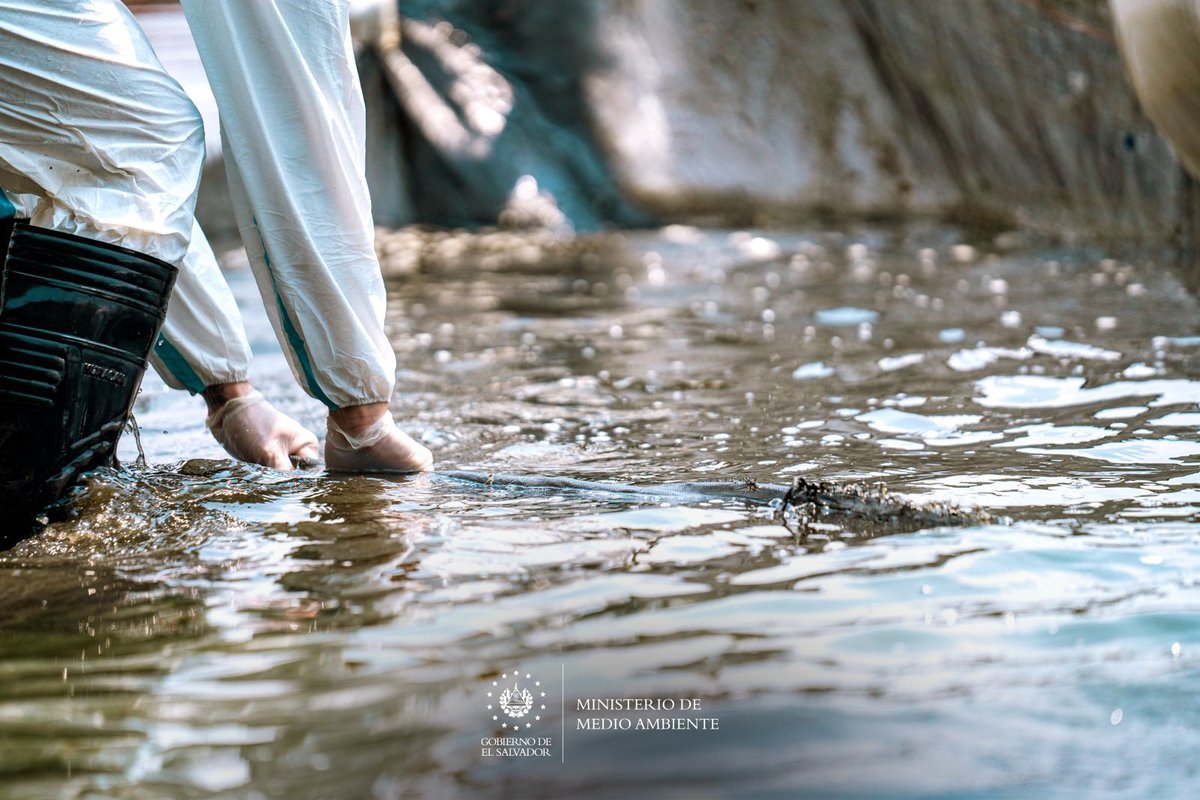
(1160,40)
(96,139)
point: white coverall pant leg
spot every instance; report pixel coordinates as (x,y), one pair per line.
(293,134)
(96,139)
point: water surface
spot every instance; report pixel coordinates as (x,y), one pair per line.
(202,628)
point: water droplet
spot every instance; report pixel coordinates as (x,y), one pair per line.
(963,253)
(951,335)
(813,370)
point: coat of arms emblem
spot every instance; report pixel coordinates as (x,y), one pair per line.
(516,701)
(522,703)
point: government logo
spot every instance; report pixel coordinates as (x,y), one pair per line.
(516,700)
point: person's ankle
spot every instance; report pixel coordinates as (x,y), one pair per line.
(355,420)
(219,394)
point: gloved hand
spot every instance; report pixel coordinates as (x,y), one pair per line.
(252,430)
(380,448)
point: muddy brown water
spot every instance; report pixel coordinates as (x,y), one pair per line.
(201,628)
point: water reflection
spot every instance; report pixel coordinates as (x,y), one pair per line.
(203,628)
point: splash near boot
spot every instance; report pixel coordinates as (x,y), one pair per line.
(77,321)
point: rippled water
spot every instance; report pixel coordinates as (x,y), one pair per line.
(202,628)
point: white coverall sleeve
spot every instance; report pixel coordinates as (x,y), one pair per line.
(292,126)
(96,139)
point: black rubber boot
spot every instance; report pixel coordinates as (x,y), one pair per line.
(77,320)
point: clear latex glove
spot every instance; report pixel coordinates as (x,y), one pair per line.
(252,430)
(380,448)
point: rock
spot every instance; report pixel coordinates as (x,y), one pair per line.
(999,113)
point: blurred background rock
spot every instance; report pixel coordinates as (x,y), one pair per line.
(1000,115)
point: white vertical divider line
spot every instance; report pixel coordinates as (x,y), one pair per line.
(562,712)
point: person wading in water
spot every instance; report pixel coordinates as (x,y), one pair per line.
(98,143)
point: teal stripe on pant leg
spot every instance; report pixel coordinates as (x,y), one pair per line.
(295,341)
(178,366)
(7,209)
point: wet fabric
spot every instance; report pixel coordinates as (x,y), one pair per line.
(97,140)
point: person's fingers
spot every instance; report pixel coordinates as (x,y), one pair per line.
(277,457)
(303,448)
(307,455)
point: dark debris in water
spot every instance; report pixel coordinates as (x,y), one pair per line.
(807,501)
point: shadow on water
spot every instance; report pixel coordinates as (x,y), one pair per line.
(201,628)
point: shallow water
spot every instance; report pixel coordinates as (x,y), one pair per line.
(203,628)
